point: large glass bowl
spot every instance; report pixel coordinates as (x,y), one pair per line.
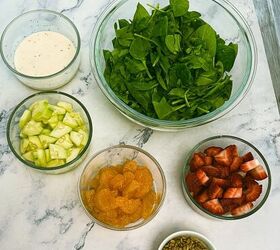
(243,148)
(13,131)
(220,14)
(117,155)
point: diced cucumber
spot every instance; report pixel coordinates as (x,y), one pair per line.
(66,105)
(41,111)
(72,154)
(57,110)
(60,117)
(85,139)
(78,118)
(34,143)
(46,140)
(37,103)
(76,138)
(60,130)
(70,121)
(28,156)
(48,156)
(32,128)
(24,143)
(57,152)
(55,163)
(22,135)
(53,121)
(65,142)
(41,158)
(46,131)
(26,117)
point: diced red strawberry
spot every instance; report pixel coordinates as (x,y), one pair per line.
(247,157)
(249,165)
(202,177)
(212,151)
(234,201)
(248,181)
(215,191)
(236,180)
(213,206)
(258,173)
(193,183)
(236,163)
(253,192)
(242,209)
(228,205)
(197,161)
(208,160)
(233,149)
(220,182)
(224,157)
(202,197)
(211,171)
(231,193)
(224,171)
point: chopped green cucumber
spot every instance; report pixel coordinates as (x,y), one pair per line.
(57,110)
(67,106)
(32,128)
(22,135)
(65,142)
(60,130)
(85,138)
(55,163)
(25,118)
(78,118)
(41,158)
(28,156)
(57,152)
(60,117)
(24,144)
(76,138)
(41,111)
(53,121)
(46,131)
(70,120)
(34,104)
(72,154)
(48,156)
(47,140)
(34,143)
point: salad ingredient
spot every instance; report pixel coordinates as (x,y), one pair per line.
(185,242)
(229,184)
(43,53)
(46,140)
(122,194)
(169,64)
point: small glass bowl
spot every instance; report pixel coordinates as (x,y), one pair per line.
(199,236)
(118,155)
(243,148)
(13,130)
(36,21)
(220,14)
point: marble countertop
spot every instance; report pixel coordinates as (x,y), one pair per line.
(40,211)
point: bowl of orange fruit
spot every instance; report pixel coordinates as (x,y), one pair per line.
(122,187)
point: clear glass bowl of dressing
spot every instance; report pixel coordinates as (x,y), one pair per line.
(31,23)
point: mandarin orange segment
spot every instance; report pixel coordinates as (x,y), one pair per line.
(105,199)
(106,174)
(144,177)
(137,215)
(131,189)
(130,166)
(117,182)
(128,206)
(128,178)
(148,204)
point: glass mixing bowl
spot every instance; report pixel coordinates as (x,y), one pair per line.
(220,14)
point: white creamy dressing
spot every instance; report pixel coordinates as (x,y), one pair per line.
(43,53)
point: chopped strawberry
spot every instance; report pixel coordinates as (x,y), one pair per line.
(258,173)
(220,182)
(228,205)
(234,201)
(208,160)
(248,181)
(233,149)
(202,197)
(213,206)
(193,183)
(231,193)
(224,157)
(212,151)
(253,192)
(224,171)
(249,165)
(197,161)
(242,209)
(211,171)
(202,177)
(236,163)
(215,191)
(247,157)
(236,180)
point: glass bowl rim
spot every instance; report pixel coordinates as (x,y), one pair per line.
(46,169)
(169,124)
(17,18)
(145,221)
(186,169)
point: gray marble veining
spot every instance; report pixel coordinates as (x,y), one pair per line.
(43,212)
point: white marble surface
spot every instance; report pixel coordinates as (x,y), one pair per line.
(43,212)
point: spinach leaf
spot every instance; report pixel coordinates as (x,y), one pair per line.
(173,43)
(179,7)
(139,49)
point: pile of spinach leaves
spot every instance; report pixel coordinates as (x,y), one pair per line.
(169,64)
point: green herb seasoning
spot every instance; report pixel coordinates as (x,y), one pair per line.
(169,64)
(185,243)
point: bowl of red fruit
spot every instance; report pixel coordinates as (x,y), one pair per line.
(226,177)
